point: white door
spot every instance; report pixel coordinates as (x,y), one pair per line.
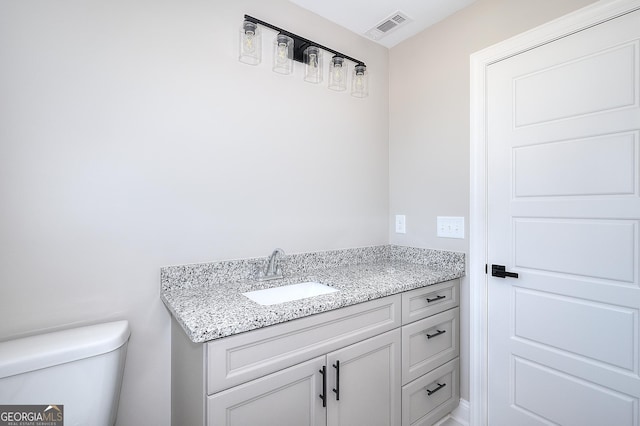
(564,214)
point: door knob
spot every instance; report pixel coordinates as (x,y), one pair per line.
(500,272)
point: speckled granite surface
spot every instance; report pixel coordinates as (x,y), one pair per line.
(206,299)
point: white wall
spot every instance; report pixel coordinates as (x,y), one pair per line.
(429,122)
(131,138)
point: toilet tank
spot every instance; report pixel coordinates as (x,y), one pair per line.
(80,369)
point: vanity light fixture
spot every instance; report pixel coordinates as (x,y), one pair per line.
(289,47)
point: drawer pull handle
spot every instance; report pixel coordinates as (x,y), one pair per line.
(323,396)
(437,333)
(436,298)
(431,392)
(337,388)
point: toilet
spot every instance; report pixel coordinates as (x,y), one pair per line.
(79,369)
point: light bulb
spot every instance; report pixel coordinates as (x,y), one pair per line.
(337,77)
(312,58)
(337,73)
(250,43)
(359,82)
(283,54)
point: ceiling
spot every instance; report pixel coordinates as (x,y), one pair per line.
(360,16)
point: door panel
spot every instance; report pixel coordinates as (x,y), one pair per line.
(562,327)
(599,166)
(578,247)
(579,96)
(564,213)
(541,393)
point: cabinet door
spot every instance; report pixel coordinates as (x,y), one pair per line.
(364,382)
(289,397)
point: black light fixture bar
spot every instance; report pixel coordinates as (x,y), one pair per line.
(300,43)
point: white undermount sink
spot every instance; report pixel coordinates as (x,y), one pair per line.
(288,293)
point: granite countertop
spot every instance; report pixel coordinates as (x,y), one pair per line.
(207,300)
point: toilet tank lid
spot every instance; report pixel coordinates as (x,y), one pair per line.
(46,350)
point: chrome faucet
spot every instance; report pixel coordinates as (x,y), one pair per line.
(272,270)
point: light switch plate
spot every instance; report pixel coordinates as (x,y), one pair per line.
(401,224)
(450,227)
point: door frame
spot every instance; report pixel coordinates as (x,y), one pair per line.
(581,19)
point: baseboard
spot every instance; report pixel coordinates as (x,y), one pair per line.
(460,415)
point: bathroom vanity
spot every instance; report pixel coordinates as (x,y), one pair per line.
(382,350)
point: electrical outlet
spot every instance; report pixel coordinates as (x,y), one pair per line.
(450,227)
(401,224)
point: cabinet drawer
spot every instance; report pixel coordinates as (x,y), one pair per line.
(247,356)
(429,343)
(430,397)
(427,301)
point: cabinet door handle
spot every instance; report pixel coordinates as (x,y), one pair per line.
(337,388)
(437,333)
(323,395)
(440,386)
(436,298)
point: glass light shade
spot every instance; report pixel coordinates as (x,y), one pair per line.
(360,82)
(338,74)
(312,58)
(283,54)
(250,43)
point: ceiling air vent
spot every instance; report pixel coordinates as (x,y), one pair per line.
(388,25)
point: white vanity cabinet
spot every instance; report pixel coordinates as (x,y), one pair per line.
(348,366)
